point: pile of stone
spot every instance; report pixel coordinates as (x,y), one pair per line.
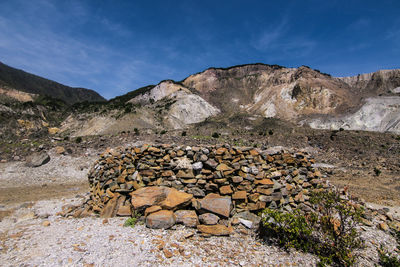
(205,187)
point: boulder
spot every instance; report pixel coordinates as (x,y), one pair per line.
(216,204)
(162,219)
(209,218)
(37,159)
(166,197)
(187,217)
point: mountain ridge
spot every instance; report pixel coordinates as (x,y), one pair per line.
(12,78)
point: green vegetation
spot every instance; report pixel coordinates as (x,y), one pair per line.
(329,233)
(163,132)
(131,222)
(387,259)
(183,133)
(377,171)
(78,140)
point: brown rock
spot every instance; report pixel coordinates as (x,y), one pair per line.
(225,190)
(46,223)
(109,209)
(167,173)
(167,253)
(162,219)
(166,197)
(217,204)
(267,182)
(152,209)
(217,229)
(185,174)
(60,150)
(124,211)
(239,195)
(187,217)
(237,179)
(223,167)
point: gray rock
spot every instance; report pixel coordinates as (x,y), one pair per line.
(209,218)
(162,219)
(37,159)
(197,166)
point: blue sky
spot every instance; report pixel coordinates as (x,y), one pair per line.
(117,46)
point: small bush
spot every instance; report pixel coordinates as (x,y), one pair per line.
(377,171)
(330,232)
(270,132)
(78,140)
(131,222)
(136,130)
(183,133)
(387,259)
(215,135)
(163,132)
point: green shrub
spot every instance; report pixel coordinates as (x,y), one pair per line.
(330,232)
(163,132)
(131,222)
(183,133)
(377,171)
(387,259)
(78,140)
(136,130)
(270,132)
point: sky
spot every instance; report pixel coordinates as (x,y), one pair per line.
(116,46)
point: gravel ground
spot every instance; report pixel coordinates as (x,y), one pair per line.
(25,241)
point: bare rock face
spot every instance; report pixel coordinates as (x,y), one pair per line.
(166,197)
(162,219)
(37,159)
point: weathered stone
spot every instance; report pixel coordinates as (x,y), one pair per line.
(152,209)
(240,195)
(212,164)
(109,209)
(60,150)
(218,229)
(223,167)
(197,192)
(162,219)
(225,190)
(209,218)
(267,182)
(197,166)
(237,179)
(187,217)
(217,204)
(185,174)
(166,197)
(37,159)
(124,211)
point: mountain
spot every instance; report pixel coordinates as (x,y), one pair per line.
(245,95)
(12,79)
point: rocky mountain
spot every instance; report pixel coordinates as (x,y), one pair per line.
(300,95)
(12,79)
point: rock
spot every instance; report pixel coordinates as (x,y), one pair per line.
(109,209)
(223,167)
(212,164)
(166,197)
(152,209)
(239,195)
(37,159)
(162,219)
(225,190)
(248,224)
(217,229)
(167,253)
(54,130)
(216,204)
(187,217)
(383,226)
(60,150)
(197,166)
(124,211)
(46,223)
(209,218)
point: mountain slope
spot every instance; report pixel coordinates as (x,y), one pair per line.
(11,78)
